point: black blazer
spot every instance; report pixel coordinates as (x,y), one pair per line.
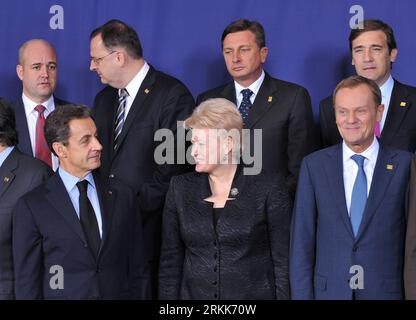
(283,111)
(19,174)
(246,257)
(399,129)
(161,101)
(47,232)
(25,145)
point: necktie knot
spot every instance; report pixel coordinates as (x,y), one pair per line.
(359,160)
(82,186)
(246,93)
(40,109)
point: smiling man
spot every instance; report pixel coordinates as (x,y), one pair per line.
(282,110)
(349,219)
(74,237)
(37,69)
(374,50)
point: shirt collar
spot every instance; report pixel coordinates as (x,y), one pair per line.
(370,153)
(387,87)
(30,105)
(134,85)
(4,154)
(255,86)
(70,181)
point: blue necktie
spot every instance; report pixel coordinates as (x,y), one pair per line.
(245,104)
(359,194)
(120,115)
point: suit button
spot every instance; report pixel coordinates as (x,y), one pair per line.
(355,248)
(215,296)
(85,245)
(215,243)
(214,283)
(111,176)
(215,269)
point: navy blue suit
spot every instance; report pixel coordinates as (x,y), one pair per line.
(21,125)
(323,246)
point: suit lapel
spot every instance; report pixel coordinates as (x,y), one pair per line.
(138,103)
(106,197)
(335,176)
(266,98)
(228,92)
(59,198)
(21,125)
(6,171)
(398,107)
(380,183)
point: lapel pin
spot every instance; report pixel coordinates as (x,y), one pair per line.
(270,99)
(234,192)
(110,193)
(403,104)
(146,91)
(6,179)
(389,167)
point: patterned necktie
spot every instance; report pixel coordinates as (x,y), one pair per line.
(42,151)
(359,194)
(122,99)
(88,218)
(377,129)
(245,104)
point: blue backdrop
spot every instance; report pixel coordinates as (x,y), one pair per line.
(307,40)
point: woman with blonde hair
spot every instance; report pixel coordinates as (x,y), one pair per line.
(225,232)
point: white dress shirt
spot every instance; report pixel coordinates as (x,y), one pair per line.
(32,117)
(386,90)
(255,87)
(133,87)
(350,168)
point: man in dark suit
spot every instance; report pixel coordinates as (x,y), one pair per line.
(282,110)
(373,50)
(349,219)
(37,69)
(137,102)
(19,173)
(75,237)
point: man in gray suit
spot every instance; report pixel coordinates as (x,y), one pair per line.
(19,173)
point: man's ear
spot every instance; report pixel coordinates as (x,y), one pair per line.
(19,71)
(59,149)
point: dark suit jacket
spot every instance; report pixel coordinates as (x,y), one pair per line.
(21,125)
(399,129)
(161,101)
(283,111)
(323,246)
(47,232)
(244,257)
(19,174)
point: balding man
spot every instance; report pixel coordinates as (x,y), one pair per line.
(37,69)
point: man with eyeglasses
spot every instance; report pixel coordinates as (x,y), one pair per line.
(137,102)
(37,69)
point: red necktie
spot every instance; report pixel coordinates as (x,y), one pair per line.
(41,148)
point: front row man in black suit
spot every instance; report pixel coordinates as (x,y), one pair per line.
(74,237)
(19,173)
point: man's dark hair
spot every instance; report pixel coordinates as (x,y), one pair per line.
(375,25)
(243,25)
(8,133)
(355,81)
(57,123)
(116,33)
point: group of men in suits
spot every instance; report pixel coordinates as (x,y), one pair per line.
(114,252)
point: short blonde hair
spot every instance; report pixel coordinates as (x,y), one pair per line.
(217,113)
